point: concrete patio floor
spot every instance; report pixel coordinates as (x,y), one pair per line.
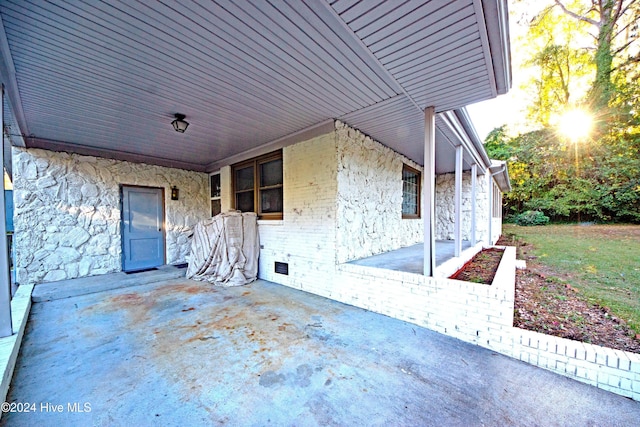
(410,259)
(180,352)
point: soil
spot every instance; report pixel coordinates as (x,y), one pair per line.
(481,268)
(552,306)
(546,304)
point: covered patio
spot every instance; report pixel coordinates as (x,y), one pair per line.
(179,352)
(250,78)
(410,259)
(91,95)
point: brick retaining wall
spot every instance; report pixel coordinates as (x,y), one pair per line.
(613,370)
(483,315)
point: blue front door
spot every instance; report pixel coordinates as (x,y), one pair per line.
(142,228)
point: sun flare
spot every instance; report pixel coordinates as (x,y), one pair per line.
(575,124)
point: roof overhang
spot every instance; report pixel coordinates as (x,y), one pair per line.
(457,129)
(500,175)
(106,78)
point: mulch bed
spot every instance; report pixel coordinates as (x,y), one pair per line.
(481,268)
(551,306)
(546,304)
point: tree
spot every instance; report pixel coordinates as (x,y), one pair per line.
(585,53)
(614,26)
(563,65)
(559,66)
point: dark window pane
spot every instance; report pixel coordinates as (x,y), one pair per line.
(410,177)
(215,207)
(410,190)
(244,201)
(409,205)
(244,178)
(271,173)
(271,200)
(215,185)
(257,185)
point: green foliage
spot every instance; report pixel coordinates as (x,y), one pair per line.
(596,178)
(598,181)
(560,66)
(531,218)
(497,144)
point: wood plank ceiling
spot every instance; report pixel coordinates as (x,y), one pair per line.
(109,76)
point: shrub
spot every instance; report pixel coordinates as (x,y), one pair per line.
(532,218)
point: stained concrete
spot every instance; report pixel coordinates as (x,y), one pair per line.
(92,284)
(410,259)
(184,353)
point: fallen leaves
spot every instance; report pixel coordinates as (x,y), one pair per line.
(545,305)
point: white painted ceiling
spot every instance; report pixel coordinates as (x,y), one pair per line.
(107,77)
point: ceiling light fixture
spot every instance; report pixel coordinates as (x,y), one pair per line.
(179,124)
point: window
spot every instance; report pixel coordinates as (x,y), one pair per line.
(410,192)
(257,186)
(497,202)
(214,181)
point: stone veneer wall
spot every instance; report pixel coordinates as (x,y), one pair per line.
(67,212)
(445,207)
(342,201)
(369,204)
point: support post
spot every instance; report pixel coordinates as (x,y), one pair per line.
(474,200)
(429,180)
(6,328)
(457,222)
(490,184)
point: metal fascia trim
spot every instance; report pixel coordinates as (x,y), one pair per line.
(305,134)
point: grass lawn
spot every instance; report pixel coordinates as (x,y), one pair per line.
(601,261)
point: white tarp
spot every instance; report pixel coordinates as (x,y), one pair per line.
(225,249)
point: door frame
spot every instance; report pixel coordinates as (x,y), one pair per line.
(164,222)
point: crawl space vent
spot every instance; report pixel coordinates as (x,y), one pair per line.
(282,268)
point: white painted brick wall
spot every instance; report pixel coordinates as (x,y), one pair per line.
(483,315)
(496,229)
(305,238)
(613,370)
(329,181)
(473,312)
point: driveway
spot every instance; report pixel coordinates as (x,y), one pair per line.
(181,352)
